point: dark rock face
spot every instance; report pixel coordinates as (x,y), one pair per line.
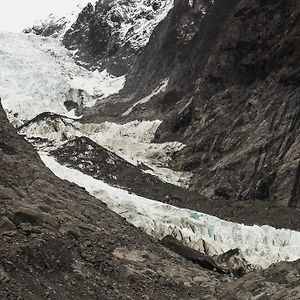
(223,264)
(190,254)
(268,284)
(177,50)
(236,70)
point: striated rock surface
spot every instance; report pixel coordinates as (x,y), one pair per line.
(232,96)
(242,119)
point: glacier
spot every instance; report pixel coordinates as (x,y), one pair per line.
(260,246)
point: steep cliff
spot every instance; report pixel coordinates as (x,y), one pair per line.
(233,95)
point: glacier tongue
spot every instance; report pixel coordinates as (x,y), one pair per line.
(38,74)
(259,246)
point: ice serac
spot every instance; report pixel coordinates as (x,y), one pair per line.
(38,75)
(258,246)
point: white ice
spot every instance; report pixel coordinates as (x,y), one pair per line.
(38,74)
(103,84)
(260,246)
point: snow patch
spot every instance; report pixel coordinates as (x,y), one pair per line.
(139,19)
(61,21)
(100,83)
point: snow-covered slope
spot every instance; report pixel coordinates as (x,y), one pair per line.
(38,74)
(259,246)
(58,22)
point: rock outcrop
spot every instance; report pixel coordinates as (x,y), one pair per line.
(242,118)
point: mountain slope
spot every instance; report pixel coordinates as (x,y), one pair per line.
(208,72)
(111,34)
(58,23)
